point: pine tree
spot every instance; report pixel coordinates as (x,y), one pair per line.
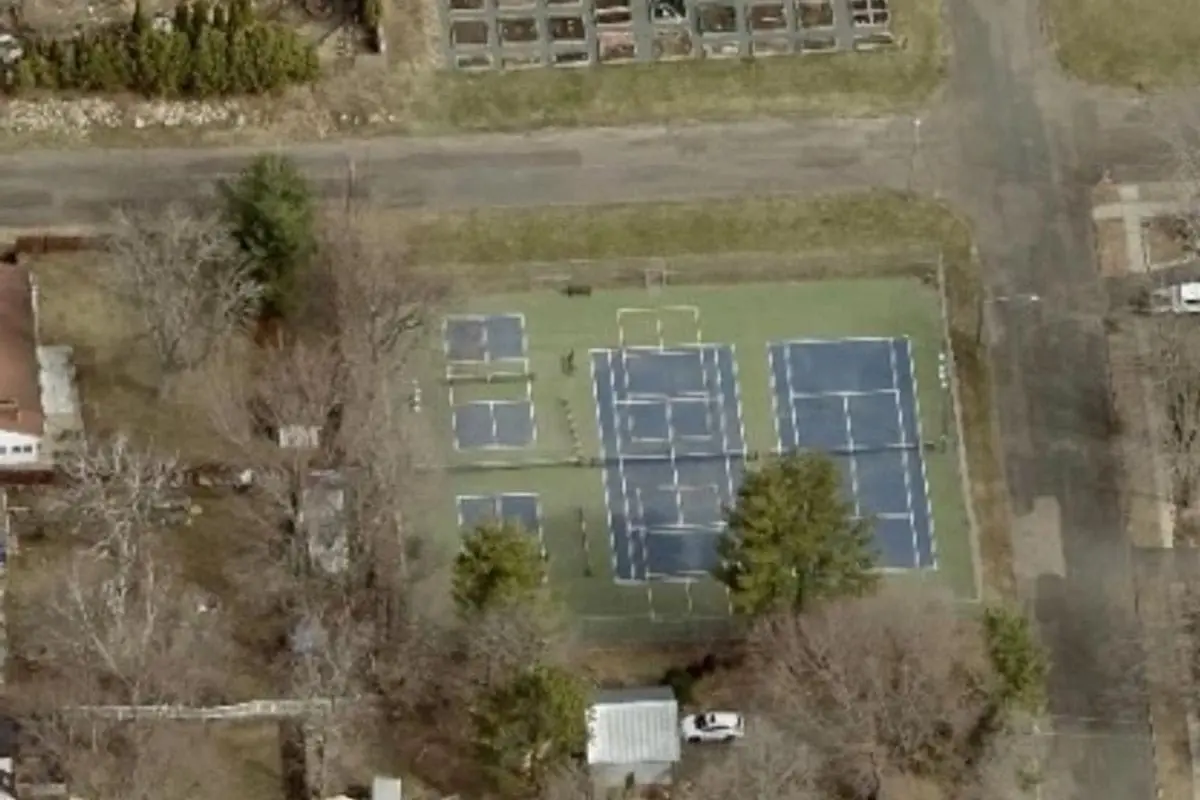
(792,539)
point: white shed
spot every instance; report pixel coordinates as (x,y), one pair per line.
(633,732)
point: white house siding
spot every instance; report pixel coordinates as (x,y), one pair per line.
(18,449)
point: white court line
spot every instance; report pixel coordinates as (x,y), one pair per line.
(537,515)
(912,368)
(853,461)
(630,311)
(818,395)
(737,398)
(683,528)
(912,522)
(720,389)
(612,385)
(524,338)
(674,464)
(533,431)
(791,385)
(771,350)
(495,422)
(612,535)
(454,418)
(833,342)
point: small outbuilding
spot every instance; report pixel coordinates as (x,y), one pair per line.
(633,732)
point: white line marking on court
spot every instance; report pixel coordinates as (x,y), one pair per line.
(621,469)
(720,389)
(612,531)
(774,397)
(820,395)
(832,342)
(853,460)
(912,522)
(495,422)
(454,419)
(674,465)
(912,368)
(791,385)
(524,336)
(458,508)
(541,529)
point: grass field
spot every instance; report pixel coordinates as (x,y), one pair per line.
(1142,43)
(747,316)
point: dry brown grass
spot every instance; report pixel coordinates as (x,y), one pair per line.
(1163,243)
(1111,257)
(117,372)
(1146,43)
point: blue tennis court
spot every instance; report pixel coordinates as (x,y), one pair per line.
(498,337)
(856,400)
(522,508)
(493,424)
(670,429)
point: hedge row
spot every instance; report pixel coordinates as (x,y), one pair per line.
(205,51)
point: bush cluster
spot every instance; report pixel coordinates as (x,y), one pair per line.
(370,14)
(205,51)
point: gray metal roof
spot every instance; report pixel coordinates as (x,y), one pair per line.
(629,726)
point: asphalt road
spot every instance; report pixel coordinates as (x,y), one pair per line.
(591,166)
(1010,143)
(1027,161)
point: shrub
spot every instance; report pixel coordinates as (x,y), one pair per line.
(682,682)
(371,14)
(208,51)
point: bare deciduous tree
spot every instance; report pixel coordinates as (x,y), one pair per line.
(113,490)
(894,682)
(771,764)
(331,655)
(119,626)
(188,280)
(1185,224)
(113,618)
(105,760)
(1012,765)
(1173,364)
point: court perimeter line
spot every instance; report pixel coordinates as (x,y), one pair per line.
(791,385)
(912,522)
(853,460)
(612,387)
(612,531)
(774,398)
(916,390)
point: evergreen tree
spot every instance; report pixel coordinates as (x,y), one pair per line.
(792,539)
(500,564)
(272,213)
(531,727)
